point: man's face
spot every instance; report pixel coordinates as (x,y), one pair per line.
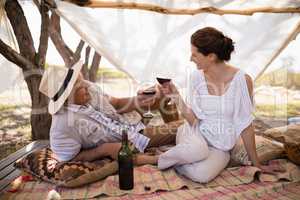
(80,93)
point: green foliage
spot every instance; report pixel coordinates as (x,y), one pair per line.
(4,107)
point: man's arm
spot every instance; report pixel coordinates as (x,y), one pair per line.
(139,102)
(125,104)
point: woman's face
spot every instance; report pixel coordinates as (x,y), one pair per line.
(199,59)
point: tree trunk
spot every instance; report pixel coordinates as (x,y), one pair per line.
(40,118)
(31,62)
(94,67)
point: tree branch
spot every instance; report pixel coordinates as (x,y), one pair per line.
(45,22)
(15,57)
(85,70)
(78,51)
(55,34)
(22,32)
(94,67)
(174,11)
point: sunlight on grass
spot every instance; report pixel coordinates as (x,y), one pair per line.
(278,110)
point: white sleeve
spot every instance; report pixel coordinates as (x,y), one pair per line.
(243,114)
(64,147)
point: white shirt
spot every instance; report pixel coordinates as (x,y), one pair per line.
(72,131)
(224,117)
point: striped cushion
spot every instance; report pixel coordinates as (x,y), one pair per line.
(43,165)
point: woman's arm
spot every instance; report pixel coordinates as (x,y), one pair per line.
(186,112)
(248,138)
(248,135)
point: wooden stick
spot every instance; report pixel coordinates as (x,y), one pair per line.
(176,11)
(291,37)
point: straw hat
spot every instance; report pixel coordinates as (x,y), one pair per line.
(57,83)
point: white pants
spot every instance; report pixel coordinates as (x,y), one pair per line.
(192,157)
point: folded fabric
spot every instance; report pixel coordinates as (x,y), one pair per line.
(266,150)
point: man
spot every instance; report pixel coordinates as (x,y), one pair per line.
(86,123)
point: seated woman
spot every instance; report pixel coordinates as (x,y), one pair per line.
(219,111)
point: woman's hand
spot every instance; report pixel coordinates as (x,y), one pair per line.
(169,88)
(271,169)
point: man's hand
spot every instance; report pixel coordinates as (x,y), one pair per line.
(112,149)
(145,100)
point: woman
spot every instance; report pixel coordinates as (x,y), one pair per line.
(219,111)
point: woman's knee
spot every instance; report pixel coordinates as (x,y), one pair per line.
(199,148)
(194,152)
(206,170)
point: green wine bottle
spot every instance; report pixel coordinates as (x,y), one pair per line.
(125,160)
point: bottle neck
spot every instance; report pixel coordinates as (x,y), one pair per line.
(124,138)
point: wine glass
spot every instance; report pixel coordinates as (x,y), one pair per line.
(169,109)
(161,80)
(148,115)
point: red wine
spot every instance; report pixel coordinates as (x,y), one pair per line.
(163,80)
(125,161)
(149,92)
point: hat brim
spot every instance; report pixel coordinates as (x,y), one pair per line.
(54,106)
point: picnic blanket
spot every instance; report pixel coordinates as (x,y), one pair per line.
(148,180)
(266,191)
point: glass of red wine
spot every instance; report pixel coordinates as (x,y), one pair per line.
(163,80)
(149,115)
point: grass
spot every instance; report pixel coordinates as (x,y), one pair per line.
(281,77)
(7,107)
(278,110)
(110,73)
(15,128)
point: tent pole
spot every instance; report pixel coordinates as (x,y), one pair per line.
(176,11)
(291,37)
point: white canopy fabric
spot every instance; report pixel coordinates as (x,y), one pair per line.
(10,73)
(148,44)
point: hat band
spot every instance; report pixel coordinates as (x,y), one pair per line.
(64,85)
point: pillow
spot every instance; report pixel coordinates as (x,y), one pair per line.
(290,136)
(293,152)
(266,150)
(290,133)
(42,164)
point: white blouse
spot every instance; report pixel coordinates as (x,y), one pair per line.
(222,118)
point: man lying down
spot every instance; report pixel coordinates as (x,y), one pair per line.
(86,123)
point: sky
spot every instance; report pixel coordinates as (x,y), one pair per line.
(289,56)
